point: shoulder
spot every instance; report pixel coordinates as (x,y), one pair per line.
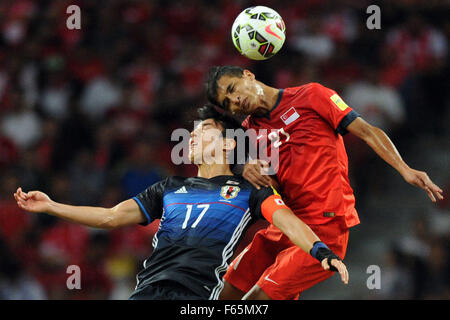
(173,182)
(305,87)
(314,88)
(305,91)
(176,179)
(246,122)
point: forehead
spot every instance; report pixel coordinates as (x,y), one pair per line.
(223,84)
(207,124)
(224,81)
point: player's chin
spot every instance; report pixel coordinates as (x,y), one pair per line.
(191,156)
(195,158)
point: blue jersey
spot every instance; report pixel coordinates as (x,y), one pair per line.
(202,222)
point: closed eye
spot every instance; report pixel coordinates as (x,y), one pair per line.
(226,101)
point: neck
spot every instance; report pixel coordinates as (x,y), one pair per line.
(269,97)
(213,170)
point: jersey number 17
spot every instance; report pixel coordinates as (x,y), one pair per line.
(205,208)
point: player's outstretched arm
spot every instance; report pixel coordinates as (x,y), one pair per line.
(383,146)
(302,236)
(125,213)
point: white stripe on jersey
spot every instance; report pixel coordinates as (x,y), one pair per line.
(155,237)
(154,244)
(228,252)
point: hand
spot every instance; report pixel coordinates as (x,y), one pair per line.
(339,265)
(33,201)
(254,173)
(420,179)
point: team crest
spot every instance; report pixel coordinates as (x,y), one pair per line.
(229,192)
(290,116)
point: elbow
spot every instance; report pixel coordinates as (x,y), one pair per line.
(366,132)
(362,129)
(109,221)
(110,224)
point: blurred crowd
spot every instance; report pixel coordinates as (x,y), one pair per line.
(87,115)
(416,265)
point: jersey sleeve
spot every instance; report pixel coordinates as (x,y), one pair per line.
(331,107)
(246,123)
(264,202)
(150,201)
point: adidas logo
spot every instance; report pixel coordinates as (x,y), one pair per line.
(181,190)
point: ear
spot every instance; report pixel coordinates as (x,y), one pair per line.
(249,74)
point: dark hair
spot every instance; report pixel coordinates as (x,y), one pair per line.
(214,75)
(209,111)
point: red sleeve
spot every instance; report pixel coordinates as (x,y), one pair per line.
(328,104)
(246,123)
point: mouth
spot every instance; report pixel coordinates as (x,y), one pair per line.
(192,143)
(192,150)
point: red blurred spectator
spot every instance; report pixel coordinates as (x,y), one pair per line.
(13,221)
(415,46)
(8,152)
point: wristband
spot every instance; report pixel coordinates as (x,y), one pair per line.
(315,248)
(320,251)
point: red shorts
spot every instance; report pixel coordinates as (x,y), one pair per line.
(280,268)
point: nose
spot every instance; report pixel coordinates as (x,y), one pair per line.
(193,136)
(235,99)
(235,103)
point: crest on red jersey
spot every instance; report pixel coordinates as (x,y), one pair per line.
(290,116)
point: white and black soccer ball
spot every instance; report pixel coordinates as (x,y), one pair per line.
(258,32)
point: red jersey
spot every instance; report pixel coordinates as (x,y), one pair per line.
(306,125)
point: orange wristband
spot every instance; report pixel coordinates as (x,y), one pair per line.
(270,205)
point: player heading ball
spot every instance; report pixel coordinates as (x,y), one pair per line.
(203,218)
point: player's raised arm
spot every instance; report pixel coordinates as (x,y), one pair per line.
(125,213)
(383,146)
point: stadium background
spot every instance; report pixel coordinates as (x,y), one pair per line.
(86,116)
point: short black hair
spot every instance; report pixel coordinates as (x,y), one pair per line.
(209,111)
(214,75)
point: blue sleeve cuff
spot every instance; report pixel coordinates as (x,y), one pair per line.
(143,210)
(317,245)
(342,127)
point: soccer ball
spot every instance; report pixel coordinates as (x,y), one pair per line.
(258,32)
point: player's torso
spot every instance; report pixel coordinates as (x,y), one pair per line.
(312,163)
(293,130)
(202,222)
(203,212)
